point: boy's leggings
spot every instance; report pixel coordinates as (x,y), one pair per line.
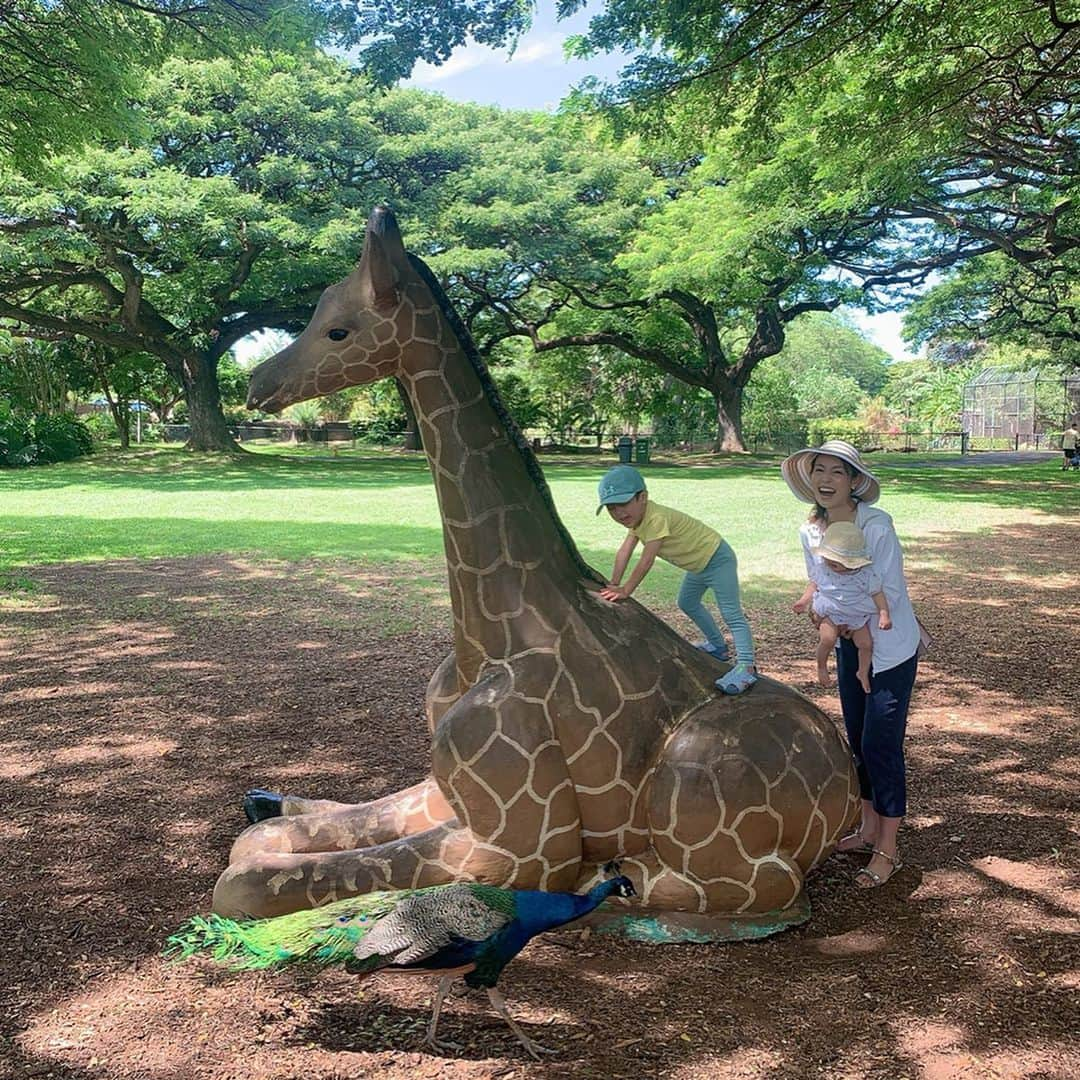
(721,574)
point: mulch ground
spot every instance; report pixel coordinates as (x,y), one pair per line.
(139,699)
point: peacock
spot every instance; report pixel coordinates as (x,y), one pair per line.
(460,929)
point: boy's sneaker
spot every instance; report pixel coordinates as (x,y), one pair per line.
(738,680)
(720,653)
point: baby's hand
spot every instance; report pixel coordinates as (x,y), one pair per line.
(884,621)
(613,592)
(801,605)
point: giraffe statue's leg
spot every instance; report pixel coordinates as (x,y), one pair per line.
(271,883)
(345,827)
(499,767)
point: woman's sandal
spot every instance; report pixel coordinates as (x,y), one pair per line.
(876,880)
(854,849)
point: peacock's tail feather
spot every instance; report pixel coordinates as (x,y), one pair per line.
(325,935)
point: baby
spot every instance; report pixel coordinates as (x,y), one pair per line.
(844,594)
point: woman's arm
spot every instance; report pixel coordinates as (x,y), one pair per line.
(886,553)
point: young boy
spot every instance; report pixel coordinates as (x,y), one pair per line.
(690,545)
(1070,440)
(845,595)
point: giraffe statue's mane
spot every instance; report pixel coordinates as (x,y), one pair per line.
(517,439)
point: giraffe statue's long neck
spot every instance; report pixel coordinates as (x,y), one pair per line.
(512,567)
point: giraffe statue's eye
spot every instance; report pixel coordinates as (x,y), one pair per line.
(337,334)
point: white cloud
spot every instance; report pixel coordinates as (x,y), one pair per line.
(545,48)
(468,58)
(475,58)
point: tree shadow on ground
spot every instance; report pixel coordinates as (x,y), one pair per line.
(139,699)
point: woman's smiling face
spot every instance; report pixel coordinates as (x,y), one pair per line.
(831,481)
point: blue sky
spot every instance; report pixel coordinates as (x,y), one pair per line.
(537,77)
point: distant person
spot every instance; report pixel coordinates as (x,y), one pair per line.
(1070,440)
(692,546)
(834,480)
(845,594)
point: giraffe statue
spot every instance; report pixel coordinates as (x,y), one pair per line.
(567,731)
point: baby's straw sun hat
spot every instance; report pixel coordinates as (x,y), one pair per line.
(844,543)
(796,471)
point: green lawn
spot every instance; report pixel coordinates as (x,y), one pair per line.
(375,507)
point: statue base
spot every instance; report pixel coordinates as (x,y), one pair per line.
(655,927)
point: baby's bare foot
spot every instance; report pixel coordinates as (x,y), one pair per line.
(823,676)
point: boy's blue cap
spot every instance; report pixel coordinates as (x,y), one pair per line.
(619,485)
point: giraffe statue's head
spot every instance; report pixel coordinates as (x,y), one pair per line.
(354,335)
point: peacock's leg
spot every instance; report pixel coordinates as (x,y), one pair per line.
(344,827)
(498,1003)
(440,995)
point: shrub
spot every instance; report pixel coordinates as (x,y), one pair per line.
(61,437)
(101,426)
(852,431)
(44,438)
(382,429)
(17,446)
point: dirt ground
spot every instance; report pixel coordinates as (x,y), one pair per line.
(139,699)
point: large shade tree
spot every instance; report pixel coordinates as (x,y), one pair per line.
(247,199)
(711,277)
(250,196)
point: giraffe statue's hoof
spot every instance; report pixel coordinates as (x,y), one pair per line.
(260,804)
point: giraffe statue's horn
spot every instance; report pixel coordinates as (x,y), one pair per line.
(384,251)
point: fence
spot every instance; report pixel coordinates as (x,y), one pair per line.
(914,440)
(779,442)
(276,432)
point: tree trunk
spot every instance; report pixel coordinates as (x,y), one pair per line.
(729,401)
(121,415)
(209,431)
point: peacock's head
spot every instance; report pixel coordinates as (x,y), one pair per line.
(620,885)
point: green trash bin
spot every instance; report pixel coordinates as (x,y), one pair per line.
(625,447)
(641,450)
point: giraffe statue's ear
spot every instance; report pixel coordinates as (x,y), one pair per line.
(379,272)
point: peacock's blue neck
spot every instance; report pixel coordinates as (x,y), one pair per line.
(534,913)
(540,911)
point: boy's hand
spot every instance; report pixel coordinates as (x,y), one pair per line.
(884,621)
(801,605)
(614,592)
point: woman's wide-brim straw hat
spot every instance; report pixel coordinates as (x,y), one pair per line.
(796,471)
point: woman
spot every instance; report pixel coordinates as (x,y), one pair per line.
(833,478)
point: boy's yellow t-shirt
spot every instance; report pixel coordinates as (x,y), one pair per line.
(685,541)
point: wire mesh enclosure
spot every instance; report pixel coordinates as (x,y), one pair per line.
(1012,409)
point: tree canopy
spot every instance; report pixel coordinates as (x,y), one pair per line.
(250,195)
